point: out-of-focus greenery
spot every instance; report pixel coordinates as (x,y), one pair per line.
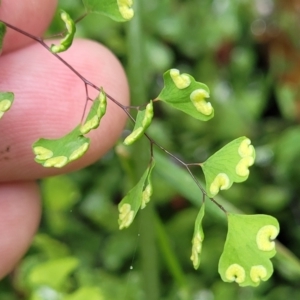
(247,52)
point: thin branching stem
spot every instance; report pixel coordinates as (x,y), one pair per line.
(81,17)
(61,34)
(125,108)
(186,165)
(42,42)
(86,102)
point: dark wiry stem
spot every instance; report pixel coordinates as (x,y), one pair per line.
(81,17)
(186,165)
(61,34)
(41,41)
(123,107)
(86,102)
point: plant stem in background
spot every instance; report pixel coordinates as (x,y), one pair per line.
(170,259)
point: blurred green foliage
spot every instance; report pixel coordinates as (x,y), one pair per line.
(246,52)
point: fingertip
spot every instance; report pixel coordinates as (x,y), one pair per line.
(49,103)
(31,16)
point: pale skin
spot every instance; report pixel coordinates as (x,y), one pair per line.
(49,100)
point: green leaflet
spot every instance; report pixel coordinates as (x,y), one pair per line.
(2,34)
(67,41)
(248,248)
(58,152)
(148,190)
(96,113)
(229,164)
(182,92)
(143,121)
(6,100)
(198,238)
(118,10)
(137,197)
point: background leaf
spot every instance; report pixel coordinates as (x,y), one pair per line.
(90,293)
(118,10)
(53,273)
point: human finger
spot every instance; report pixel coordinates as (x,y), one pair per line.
(31,16)
(49,102)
